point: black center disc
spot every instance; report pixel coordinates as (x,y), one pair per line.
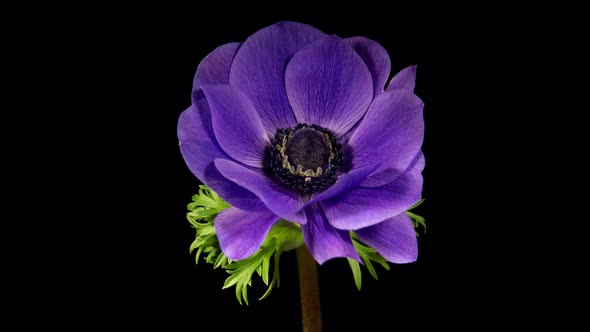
(306,158)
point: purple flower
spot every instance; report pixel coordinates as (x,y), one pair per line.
(298,125)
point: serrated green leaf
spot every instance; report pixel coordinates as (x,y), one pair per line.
(202,210)
(282,236)
(287,234)
(276,277)
(238,294)
(368,255)
(416,219)
(417,204)
(265,268)
(245,294)
(196,243)
(231,280)
(356,272)
(241,273)
(219,261)
(370,267)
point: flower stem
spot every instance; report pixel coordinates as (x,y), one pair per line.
(310,291)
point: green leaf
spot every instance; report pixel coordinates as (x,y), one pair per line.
(283,236)
(276,277)
(202,211)
(287,234)
(417,204)
(369,256)
(416,219)
(241,272)
(356,272)
(264,270)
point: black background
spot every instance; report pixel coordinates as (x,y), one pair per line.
(94,188)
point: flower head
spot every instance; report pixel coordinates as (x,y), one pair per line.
(297,125)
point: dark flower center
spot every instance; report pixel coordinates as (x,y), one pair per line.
(306,158)
(308,148)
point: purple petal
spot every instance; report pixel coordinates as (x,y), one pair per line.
(345,183)
(284,204)
(214,68)
(236,124)
(259,69)
(381,178)
(376,59)
(385,175)
(391,133)
(324,241)
(199,149)
(363,207)
(394,238)
(404,80)
(329,85)
(241,233)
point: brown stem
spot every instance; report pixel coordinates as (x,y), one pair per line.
(310,291)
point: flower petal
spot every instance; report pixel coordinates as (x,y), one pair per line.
(363,207)
(241,233)
(324,241)
(384,175)
(259,70)
(214,68)
(236,124)
(405,79)
(391,133)
(286,205)
(394,238)
(381,178)
(329,85)
(376,59)
(344,183)
(199,149)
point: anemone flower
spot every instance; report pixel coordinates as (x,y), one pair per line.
(297,125)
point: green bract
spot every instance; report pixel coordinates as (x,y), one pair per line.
(282,237)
